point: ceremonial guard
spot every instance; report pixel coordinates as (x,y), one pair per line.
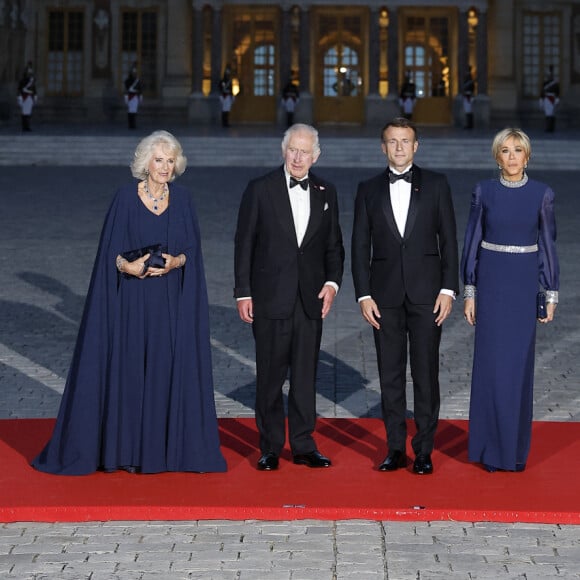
(550,99)
(133,96)
(290,98)
(26,96)
(226,95)
(468,90)
(408,96)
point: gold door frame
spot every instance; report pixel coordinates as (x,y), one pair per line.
(438,72)
(339,98)
(245,29)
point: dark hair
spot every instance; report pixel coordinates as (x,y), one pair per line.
(401,122)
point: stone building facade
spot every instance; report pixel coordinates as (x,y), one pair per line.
(347,57)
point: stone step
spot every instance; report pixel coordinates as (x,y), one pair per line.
(209,151)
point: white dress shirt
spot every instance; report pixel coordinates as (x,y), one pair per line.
(400,193)
(300,203)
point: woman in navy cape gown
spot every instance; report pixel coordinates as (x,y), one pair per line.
(139,393)
(508,254)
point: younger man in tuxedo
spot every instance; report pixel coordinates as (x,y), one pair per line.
(405,270)
(288,267)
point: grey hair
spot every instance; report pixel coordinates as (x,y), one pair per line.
(144,153)
(298,128)
(505,134)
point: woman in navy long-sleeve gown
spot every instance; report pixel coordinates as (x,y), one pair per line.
(509,254)
(139,393)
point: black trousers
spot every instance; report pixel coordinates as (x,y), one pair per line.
(282,346)
(409,328)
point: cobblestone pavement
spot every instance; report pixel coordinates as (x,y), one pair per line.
(49,228)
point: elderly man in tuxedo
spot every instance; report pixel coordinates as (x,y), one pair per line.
(288,268)
(405,270)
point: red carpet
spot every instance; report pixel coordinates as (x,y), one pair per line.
(547,492)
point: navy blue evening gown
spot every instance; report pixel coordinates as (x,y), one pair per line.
(139,393)
(500,413)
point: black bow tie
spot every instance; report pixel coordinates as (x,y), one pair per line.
(303,183)
(407,176)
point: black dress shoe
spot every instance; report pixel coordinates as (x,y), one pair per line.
(393,461)
(423,464)
(268,462)
(312,459)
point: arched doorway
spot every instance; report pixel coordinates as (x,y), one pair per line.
(339,70)
(253,57)
(428,38)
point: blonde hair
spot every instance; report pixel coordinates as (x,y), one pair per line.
(505,134)
(144,152)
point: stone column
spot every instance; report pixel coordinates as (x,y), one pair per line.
(462,67)
(482,103)
(285,47)
(216,49)
(501,53)
(393,56)
(283,60)
(175,87)
(304,111)
(216,63)
(482,54)
(374,104)
(374,48)
(197,50)
(392,108)
(200,110)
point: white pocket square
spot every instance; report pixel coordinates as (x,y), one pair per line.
(325,206)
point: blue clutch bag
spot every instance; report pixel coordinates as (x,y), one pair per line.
(155,260)
(541,311)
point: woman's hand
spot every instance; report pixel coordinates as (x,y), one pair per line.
(136,267)
(171,262)
(550,311)
(469,310)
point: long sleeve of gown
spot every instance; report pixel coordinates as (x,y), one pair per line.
(549,268)
(473,237)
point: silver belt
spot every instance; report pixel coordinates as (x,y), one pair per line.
(509,249)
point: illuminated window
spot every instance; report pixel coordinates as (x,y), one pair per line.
(264,73)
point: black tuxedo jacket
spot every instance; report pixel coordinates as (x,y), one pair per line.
(269,265)
(388,266)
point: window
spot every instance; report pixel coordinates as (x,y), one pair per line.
(253,56)
(264,74)
(139,45)
(65,52)
(541,49)
(340,41)
(427,52)
(341,72)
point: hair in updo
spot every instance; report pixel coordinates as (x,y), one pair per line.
(144,153)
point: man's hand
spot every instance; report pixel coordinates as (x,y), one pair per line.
(327,295)
(443,306)
(246,310)
(370,312)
